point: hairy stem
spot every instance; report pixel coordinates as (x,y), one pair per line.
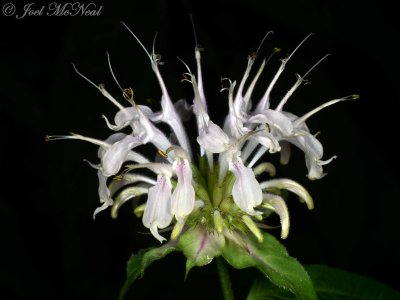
(224,279)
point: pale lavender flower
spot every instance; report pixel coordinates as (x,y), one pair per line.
(220,188)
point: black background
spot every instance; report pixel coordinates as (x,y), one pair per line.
(50,246)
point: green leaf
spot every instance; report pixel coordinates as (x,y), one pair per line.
(335,284)
(200,246)
(272,259)
(262,288)
(236,256)
(133,271)
(329,284)
(139,262)
(155,254)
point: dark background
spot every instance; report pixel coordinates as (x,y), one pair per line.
(50,246)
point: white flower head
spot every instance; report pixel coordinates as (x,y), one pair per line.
(190,188)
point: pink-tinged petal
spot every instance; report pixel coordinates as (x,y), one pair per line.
(213,139)
(157,213)
(183,197)
(246,190)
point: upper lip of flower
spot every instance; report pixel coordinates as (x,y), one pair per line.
(245,134)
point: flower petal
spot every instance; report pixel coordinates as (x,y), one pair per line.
(104,194)
(212,138)
(246,190)
(115,156)
(157,213)
(182,201)
(308,143)
(278,204)
(125,195)
(116,137)
(275,119)
(314,166)
(292,186)
(268,141)
(284,153)
(123,118)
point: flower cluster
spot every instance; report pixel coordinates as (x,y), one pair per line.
(218,187)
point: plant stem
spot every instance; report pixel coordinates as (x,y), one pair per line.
(224,279)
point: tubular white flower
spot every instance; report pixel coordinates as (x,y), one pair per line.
(246,190)
(292,186)
(157,213)
(183,197)
(234,121)
(169,114)
(278,205)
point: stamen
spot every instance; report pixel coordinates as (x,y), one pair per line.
(264,102)
(112,73)
(194,31)
(274,51)
(187,67)
(299,81)
(137,39)
(84,77)
(316,64)
(118,177)
(262,41)
(100,87)
(301,43)
(156,57)
(162,153)
(317,109)
(128,95)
